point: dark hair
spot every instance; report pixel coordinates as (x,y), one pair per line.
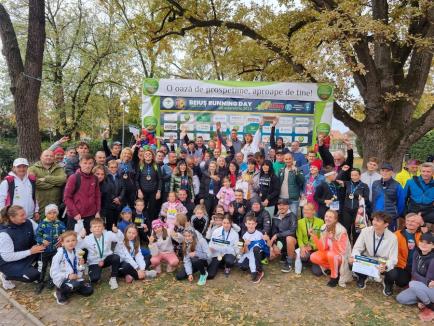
(81,143)
(357,170)
(239,190)
(227,217)
(383,216)
(270,165)
(251,161)
(218,216)
(7,212)
(250,216)
(86,157)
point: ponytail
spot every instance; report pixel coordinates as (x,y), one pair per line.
(7,212)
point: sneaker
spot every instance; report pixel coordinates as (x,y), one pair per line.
(50,284)
(227,271)
(387,289)
(113,283)
(426,314)
(7,285)
(150,274)
(59,298)
(333,282)
(361,283)
(287,268)
(202,279)
(259,277)
(264,261)
(253,276)
(129,279)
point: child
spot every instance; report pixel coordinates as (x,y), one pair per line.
(133,265)
(217,221)
(199,220)
(126,218)
(100,254)
(195,257)
(160,244)
(48,234)
(226,194)
(141,221)
(254,250)
(170,208)
(65,270)
(219,209)
(223,247)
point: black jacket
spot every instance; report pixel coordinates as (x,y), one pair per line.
(325,191)
(284,227)
(237,217)
(356,189)
(204,186)
(269,188)
(152,185)
(111,189)
(263,221)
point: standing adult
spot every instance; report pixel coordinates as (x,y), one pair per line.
(298,156)
(72,163)
(234,140)
(276,143)
(409,171)
(128,173)
(251,143)
(114,151)
(268,187)
(337,160)
(182,178)
(371,174)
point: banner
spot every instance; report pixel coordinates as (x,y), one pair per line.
(169,105)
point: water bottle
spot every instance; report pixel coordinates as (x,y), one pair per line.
(298,263)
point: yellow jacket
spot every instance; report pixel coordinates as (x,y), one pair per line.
(403,176)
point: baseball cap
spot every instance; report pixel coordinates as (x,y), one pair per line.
(183,151)
(283,201)
(387,166)
(20,161)
(427,237)
(126,209)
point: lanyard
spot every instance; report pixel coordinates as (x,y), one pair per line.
(100,249)
(72,264)
(148,170)
(132,252)
(352,191)
(333,189)
(308,226)
(223,234)
(379,242)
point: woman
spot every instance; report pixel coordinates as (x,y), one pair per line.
(210,184)
(334,249)
(222,167)
(149,183)
(328,194)
(18,248)
(249,181)
(313,180)
(128,175)
(251,143)
(182,178)
(233,173)
(268,187)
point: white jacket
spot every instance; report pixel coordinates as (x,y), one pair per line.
(60,268)
(138,262)
(224,244)
(90,244)
(253,147)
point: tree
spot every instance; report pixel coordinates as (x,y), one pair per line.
(383,49)
(25,77)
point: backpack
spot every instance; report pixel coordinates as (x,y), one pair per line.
(10,179)
(78,182)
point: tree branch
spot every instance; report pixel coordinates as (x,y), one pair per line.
(342,115)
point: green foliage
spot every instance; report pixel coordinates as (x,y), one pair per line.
(423,148)
(8,150)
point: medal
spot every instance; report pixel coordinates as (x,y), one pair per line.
(125,176)
(219,257)
(148,177)
(351,196)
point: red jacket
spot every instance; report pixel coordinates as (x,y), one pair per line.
(86,201)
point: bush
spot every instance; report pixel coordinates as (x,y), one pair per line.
(423,148)
(8,150)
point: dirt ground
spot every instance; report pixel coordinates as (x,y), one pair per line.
(280,299)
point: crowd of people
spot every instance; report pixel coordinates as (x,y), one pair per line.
(215,206)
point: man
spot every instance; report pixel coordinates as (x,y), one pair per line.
(311,157)
(19,188)
(283,230)
(410,170)
(371,174)
(279,163)
(72,164)
(337,160)
(239,208)
(378,243)
(236,143)
(263,218)
(112,153)
(50,179)
(192,151)
(188,204)
(276,143)
(388,195)
(100,158)
(82,196)
(239,158)
(291,182)
(298,156)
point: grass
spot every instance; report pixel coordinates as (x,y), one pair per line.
(280,299)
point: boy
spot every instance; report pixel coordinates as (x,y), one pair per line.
(254,250)
(65,271)
(100,254)
(48,234)
(126,218)
(142,221)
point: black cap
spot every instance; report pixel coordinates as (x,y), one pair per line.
(183,151)
(283,201)
(255,200)
(427,237)
(279,151)
(387,166)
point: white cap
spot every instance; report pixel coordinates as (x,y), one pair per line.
(20,161)
(51,207)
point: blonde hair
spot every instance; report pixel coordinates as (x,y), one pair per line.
(199,208)
(9,211)
(124,151)
(181,219)
(67,234)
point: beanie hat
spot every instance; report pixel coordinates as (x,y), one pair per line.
(59,150)
(51,207)
(317,163)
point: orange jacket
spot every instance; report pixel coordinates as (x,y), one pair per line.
(403,247)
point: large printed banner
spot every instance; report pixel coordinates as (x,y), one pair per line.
(170,105)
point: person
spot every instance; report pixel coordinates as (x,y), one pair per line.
(334,249)
(166,175)
(99,247)
(50,179)
(160,244)
(329,193)
(313,180)
(126,218)
(276,143)
(210,185)
(421,288)
(279,163)
(186,202)
(233,173)
(234,140)
(82,195)
(142,222)
(239,159)
(268,187)
(199,220)
(48,234)
(408,240)
(408,172)
(182,178)
(170,208)
(291,182)
(419,193)
(251,143)
(133,265)
(223,247)
(112,195)
(254,250)
(18,248)
(226,194)
(130,173)
(239,207)
(337,160)
(283,233)
(19,188)
(298,156)
(112,152)
(311,157)
(371,174)
(72,163)
(379,243)
(100,158)
(249,180)
(59,155)
(263,218)
(65,270)
(306,245)
(388,195)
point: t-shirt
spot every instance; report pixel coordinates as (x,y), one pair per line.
(255,236)
(284,188)
(411,242)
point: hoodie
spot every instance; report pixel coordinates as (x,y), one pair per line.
(201,250)
(136,260)
(223,242)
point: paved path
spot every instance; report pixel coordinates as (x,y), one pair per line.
(9,315)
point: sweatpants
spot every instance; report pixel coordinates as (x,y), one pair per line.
(227,261)
(45,258)
(416,292)
(199,265)
(73,286)
(126,269)
(21,270)
(95,270)
(252,260)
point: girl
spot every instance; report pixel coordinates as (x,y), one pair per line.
(133,265)
(334,249)
(226,194)
(249,181)
(182,178)
(128,175)
(268,187)
(199,220)
(210,184)
(233,173)
(222,167)
(67,270)
(223,247)
(170,208)
(313,179)
(219,210)
(205,162)
(160,244)
(195,252)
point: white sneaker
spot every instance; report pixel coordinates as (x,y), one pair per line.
(7,285)
(150,274)
(113,283)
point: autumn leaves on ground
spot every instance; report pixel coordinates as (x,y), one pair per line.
(280,299)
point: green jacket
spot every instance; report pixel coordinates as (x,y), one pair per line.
(303,238)
(49,190)
(296,182)
(277,166)
(175,185)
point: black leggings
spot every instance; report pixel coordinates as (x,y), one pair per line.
(210,202)
(95,271)
(227,261)
(348,219)
(259,255)
(401,277)
(150,204)
(198,265)
(111,218)
(68,287)
(45,258)
(126,269)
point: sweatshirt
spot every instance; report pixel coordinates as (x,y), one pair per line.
(136,260)
(201,252)
(105,241)
(61,268)
(211,230)
(223,242)
(161,245)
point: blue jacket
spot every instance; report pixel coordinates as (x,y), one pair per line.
(417,191)
(299,159)
(51,232)
(388,197)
